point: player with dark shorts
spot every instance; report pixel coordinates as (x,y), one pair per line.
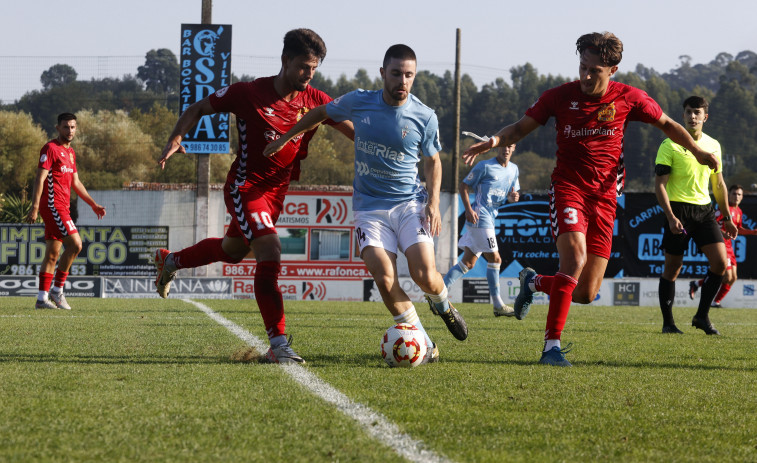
(56,175)
(681,186)
(591,115)
(256,185)
(735,195)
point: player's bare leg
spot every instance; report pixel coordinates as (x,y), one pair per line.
(72,246)
(718,259)
(422,266)
(571,246)
(590,280)
(382,265)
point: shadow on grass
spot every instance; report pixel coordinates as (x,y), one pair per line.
(114,359)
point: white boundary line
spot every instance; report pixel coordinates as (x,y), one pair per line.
(374,423)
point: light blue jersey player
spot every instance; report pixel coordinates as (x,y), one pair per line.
(493,182)
(393,211)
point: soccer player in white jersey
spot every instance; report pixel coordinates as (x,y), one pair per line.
(493,182)
(394,130)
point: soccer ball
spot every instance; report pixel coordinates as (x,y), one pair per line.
(403,345)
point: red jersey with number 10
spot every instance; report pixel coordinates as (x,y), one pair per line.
(60,162)
(590,132)
(263,116)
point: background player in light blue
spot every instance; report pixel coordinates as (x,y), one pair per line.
(494,182)
(394,130)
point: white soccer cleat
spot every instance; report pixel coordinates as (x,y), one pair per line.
(59,300)
(504,311)
(45,304)
(164,278)
(282,354)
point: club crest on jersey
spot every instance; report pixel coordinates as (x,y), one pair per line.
(268,111)
(222,91)
(404,132)
(607,113)
(71,157)
(270,135)
(301,113)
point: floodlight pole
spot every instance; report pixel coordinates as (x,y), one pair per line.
(455,157)
(202,197)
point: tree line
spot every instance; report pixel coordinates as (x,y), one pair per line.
(124,122)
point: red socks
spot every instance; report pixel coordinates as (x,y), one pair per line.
(724,288)
(559,304)
(60,278)
(268,295)
(45,280)
(543,283)
(205,252)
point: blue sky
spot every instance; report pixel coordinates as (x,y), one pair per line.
(496,35)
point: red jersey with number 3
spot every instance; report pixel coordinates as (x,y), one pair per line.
(263,116)
(590,132)
(60,162)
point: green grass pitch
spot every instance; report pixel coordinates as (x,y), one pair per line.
(158,380)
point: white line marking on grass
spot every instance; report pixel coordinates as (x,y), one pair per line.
(374,423)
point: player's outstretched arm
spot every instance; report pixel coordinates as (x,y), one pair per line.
(679,135)
(508,135)
(186,121)
(308,122)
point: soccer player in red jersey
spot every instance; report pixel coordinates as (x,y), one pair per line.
(591,115)
(56,175)
(735,195)
(256,185)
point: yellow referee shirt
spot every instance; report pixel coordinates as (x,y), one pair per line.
(689,180)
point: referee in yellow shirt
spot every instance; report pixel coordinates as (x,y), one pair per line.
(682,191)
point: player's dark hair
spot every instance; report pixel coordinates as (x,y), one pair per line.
(303,42)
(398,51)
(66,117)
(695,102)
(733,187)
(605,44)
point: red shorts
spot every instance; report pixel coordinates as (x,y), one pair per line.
(253,213)
(731,255)
(571,210)
(58,223)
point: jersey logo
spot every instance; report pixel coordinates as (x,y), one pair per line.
(574,105)
(607,113)
(366,120)
(43,158)
(222,91)
(361,168)
(269,111)
(300,113)
(71,157)
(404,132)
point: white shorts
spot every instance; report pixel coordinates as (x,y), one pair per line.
(479,240)
(403,225)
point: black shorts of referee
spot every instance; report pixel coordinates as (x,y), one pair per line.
(699,224)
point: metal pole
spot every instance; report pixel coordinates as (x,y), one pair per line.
(202,197)
(455,156)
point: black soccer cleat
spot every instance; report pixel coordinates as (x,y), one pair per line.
(452,318)
(671,329)
(704,325)
(693,287)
